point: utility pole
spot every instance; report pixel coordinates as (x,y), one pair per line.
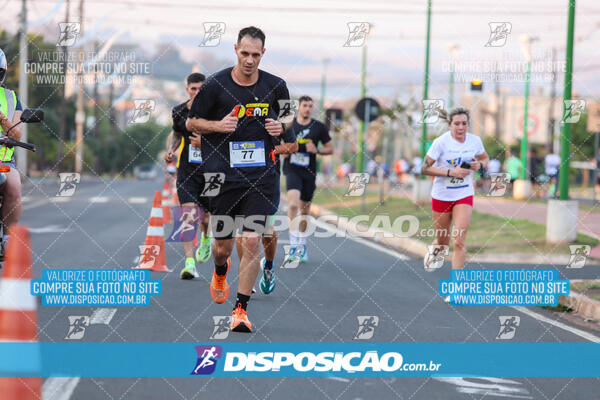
(453,48)
(360,161)
(80,113)
(565,148)
(499,106)
(323,87)
(21,155)
(95,129)
(62,106)
(426,82)
(551,120)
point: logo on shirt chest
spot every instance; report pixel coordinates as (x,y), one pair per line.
(301,137)
(454,161)
(252,110)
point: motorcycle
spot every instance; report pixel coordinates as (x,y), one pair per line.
(30,115)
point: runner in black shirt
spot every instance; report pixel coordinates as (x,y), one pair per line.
(190,178)
(235,112)
(270,237)
(301,173)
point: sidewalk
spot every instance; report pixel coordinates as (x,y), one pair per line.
(588,222)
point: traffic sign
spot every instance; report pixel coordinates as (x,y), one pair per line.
(367,104)
(333,118)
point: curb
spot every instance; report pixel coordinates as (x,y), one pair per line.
(581,305)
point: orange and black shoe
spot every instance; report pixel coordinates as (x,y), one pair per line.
(219,288)
(240,321)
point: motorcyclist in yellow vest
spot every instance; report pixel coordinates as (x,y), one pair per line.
(10,112)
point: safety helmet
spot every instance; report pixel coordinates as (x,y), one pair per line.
(3,67)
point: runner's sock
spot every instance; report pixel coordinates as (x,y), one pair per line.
(242,300)
(293,239)
(221,269)
(268,264)
(302,239)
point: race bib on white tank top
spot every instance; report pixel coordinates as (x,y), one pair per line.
(449,153)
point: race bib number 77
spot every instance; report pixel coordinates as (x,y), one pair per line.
(247,154)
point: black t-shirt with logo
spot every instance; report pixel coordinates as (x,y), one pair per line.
(180,114)
(245,154)
(306,163)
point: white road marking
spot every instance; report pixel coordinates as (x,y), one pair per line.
(524,310)
(367,243)
(137,200)
(575,331)
(335,378)
(25,199)
(59,199)
(15,295)
(493,387)
(49,229)
(59,388)
(98,199)
(102,315)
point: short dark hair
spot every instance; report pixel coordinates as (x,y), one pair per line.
(253,32)
(195,77)
(304,98)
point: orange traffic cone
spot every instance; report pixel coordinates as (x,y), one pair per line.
(155,237)
(18,316)
(165,204)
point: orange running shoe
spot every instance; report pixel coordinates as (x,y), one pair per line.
(240,321)
(219,288)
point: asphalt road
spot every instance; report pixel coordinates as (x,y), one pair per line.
(103,224)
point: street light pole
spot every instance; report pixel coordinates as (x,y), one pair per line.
(453,47)
(526,46)
(21,155)
(565,149)
(562,214)
(361,134)
(426,82)
(525,121)
(323,86)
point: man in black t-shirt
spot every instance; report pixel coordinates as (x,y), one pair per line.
(236,111)
(301,174)
(190,177)
(268,280)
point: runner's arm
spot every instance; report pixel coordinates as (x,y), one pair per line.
(286,148)
(482,161)
(428,169)
(327,149)
(204,126)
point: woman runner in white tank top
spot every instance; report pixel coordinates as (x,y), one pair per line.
(452,191)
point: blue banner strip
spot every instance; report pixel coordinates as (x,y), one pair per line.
(298,359)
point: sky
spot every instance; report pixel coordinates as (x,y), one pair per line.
(301,35)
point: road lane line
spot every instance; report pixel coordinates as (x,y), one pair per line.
(137,200)
(98,199)
(575,331)
(59,388)
(367,243)
(102,315)
(524,310)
